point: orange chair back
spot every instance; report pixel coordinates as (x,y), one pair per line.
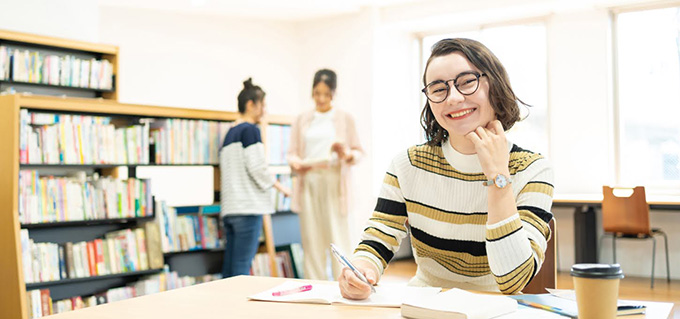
(547,275)
(625,215)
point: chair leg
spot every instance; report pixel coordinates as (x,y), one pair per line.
(653,259)
(668,265)
(599,249)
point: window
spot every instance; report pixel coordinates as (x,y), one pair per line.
(523,51)
(648,95)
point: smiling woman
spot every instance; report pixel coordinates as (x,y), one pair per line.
(477,205)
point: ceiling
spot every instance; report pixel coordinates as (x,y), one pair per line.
(287,10)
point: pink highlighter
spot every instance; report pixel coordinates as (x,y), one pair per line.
(292,291)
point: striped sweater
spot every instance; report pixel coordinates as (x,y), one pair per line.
(245,180)
(438,194)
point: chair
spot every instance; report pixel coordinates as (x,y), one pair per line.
(547,275)
(628,217)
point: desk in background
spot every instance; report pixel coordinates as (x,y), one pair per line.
(227,299)
(585,221)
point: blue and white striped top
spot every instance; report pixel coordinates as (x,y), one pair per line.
(245,180)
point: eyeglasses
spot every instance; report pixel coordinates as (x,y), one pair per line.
(466,83)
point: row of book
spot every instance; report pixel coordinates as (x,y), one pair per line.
(47,199)
(120,251)
(47,138)
(37,67)
(180,141)
(40,303)
(281,202)
(278,139)
(186,232)
(289,262)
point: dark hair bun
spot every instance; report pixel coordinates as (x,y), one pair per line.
(248,84)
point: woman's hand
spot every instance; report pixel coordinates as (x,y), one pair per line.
(343,152)
(491,146)
(351,287)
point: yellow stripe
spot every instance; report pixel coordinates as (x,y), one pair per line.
(391,180)
(538,188)
(456,262)
(432,159)
(537,249)
(516,279)
(499,232)
(369,249)
(446,217)
(390,220)
(519,161)
(389,239)
(533,220)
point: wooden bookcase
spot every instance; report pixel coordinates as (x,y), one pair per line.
(63,47)
(13,289)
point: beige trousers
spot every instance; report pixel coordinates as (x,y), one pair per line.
(322,223)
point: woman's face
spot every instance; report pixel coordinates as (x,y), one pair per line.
(259,109)
(459,114)
(323,96)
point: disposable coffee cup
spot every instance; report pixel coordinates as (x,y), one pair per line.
(597,289)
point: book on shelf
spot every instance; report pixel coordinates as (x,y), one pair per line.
(40,304)
(281,202)
(32,66)
(186,232)
(48,199)
(278,139)
(386,295)
(51,138)
(118,252)
(181,141)
(458,303)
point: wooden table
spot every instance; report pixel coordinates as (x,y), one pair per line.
(585,222)
(227,299)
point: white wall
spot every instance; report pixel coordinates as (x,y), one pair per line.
(175,59)
(74,19)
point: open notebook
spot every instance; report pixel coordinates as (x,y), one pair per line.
(459,304)
(386,295)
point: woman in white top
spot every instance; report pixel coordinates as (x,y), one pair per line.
(324,145)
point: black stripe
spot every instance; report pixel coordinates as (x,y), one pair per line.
(539,212)
(506,235)
(395,176)
(444,211)
(383,251)
(380,231)
(444,168)
(390,207)
(473,248)
(540,182)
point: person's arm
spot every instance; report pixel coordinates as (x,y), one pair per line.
(350,152)
(380,240)
(283,189)
(517,228)
(255,160)
(294,148)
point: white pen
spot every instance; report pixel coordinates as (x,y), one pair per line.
(345,262)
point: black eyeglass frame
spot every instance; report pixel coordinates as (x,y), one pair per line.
(448,87)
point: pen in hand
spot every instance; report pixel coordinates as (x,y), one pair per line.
(345,262)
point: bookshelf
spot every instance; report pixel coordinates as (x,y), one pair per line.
(12,292)
(61,47)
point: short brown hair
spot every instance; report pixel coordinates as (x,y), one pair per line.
(501,96)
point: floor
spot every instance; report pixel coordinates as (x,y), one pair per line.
(630,287)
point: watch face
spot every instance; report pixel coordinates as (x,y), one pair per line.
(501,181)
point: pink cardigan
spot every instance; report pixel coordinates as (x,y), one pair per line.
(345,132)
